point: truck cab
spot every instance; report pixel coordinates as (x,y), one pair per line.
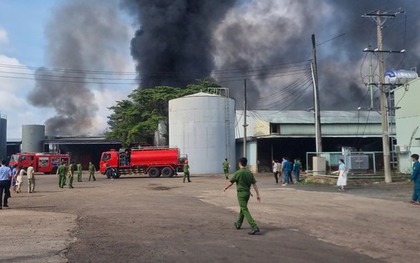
(24,160)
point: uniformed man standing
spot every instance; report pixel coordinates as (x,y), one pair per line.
(61,172)
(244,179)
(297,166)
(226,168)
(71,173)
(79,172)
(92,171)
(186,171)
(415,177)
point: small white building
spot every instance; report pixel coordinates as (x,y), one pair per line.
(407,118)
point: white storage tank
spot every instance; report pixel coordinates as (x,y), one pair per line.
(202,126)
(32,137)
(3,136)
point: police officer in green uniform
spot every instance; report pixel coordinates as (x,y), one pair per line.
(415,177)
(244,179)
(61,172)
(226,168)
(186,172)
(71,173)
(79,172)
(92,171)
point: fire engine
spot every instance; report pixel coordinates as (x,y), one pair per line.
(42,162)
(149,160)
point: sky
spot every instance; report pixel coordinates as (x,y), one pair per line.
(23,44)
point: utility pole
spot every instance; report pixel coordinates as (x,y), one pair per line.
(377,18)
(371,80)
(245,125)
(317,118)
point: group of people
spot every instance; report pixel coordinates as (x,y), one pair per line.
(65,171)
(286,168)
(12,177)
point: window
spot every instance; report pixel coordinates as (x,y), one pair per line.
(274,128)
(106,157)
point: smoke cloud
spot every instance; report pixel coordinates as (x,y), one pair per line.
(174,44)
(82,36)
(179,41)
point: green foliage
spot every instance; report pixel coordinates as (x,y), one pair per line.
(136,118)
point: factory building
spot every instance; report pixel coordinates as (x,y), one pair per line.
(276,134)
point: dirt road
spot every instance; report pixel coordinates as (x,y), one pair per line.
(164,220)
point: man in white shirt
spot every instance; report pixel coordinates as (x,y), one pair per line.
(31,178)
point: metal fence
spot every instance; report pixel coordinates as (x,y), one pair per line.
(357,163)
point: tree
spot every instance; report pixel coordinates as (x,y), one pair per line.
(136,118)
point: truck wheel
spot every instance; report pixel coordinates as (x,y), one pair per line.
(116,174)
(167,172)
(154,172)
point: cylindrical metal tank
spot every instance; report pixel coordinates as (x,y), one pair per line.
(399,76)
(202,126)
(3,137)
(32,137)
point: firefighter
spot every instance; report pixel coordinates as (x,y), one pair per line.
(79,172)
(71,173)
(61,172)
(186,172)
(92,171)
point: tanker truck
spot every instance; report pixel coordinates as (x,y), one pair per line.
(154,161)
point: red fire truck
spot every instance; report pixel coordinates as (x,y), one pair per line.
(149,160)
(42,162)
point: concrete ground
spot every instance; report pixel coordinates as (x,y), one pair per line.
(140,219)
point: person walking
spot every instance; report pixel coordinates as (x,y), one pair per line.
(276,171)
(79,172)
(244,179)
(226,168)
(342,175)
(186,172)
(19,179)
(297,166)
(15,172)
(71,174)
(92,170)
(61,172)
(31,178)
(415,177)
(5,182)
(286,167)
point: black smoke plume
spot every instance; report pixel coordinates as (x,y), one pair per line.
(81,36)
(174,44)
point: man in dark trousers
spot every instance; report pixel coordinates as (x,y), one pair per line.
(5,182)
(244,179)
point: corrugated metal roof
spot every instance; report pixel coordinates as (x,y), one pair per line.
(306,117)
